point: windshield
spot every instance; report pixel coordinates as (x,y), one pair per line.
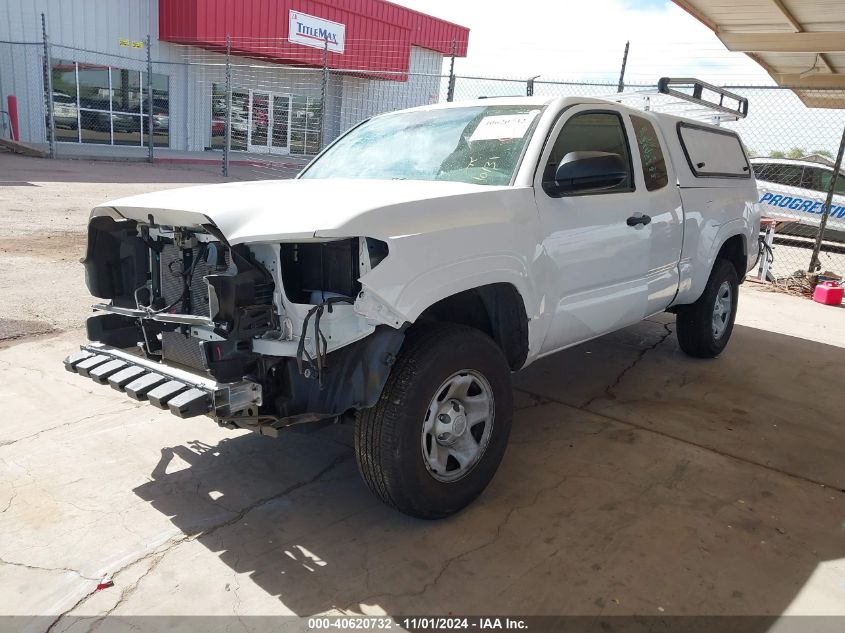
(476,144)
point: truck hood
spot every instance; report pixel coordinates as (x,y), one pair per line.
(295,210)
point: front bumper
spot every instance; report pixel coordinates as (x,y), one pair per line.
(184,393)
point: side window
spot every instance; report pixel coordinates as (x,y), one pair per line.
(762,171)
(654,165)
(592,132)
(712,152)
(789,175)
(818,179)
(815,179)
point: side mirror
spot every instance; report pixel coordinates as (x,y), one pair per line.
(589,170)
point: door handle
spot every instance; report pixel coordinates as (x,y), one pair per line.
(634,220)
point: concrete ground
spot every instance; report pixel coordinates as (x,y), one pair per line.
(44,207)
(637,481)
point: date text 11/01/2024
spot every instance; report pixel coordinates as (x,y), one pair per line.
(419,623)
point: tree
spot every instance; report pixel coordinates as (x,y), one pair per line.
(823,152)
(777,154)
(796,152)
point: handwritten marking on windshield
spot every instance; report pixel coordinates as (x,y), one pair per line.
(487,169)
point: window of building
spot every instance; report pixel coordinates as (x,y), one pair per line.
(264,121)
(160,110)
(240,117)
(306,123)
(108,106)
(592,132)
(65,105)
(218,116)
(651,155)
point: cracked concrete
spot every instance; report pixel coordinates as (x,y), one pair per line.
(608,393)
(636,479)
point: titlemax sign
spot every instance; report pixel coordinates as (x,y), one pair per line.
(309,30)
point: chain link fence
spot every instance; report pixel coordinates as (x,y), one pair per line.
(20,62)
(265,119)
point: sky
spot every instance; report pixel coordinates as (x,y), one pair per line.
(586,39)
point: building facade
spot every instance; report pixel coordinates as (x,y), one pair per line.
(298,72)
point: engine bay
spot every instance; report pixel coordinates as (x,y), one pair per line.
(279,316)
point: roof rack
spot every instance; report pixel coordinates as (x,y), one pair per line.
(691,98)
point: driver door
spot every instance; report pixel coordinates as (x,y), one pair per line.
(598,259)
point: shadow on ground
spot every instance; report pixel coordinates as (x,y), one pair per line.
(638,481)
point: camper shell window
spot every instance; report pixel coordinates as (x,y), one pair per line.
(713,153)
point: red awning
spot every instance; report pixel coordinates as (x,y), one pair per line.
(378,34)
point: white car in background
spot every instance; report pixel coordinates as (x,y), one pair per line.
(795,190)
(64,111)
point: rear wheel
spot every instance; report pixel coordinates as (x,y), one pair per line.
(705,327)
(437,435)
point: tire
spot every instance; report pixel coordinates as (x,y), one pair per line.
(395,441)
(699,335)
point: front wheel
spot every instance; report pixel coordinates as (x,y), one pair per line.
(436,436)
(705,326)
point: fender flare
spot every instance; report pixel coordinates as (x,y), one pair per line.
(441,282)
(701,273)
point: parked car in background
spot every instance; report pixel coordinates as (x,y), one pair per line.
(411,267)
(239,125)
(65,111)
(161,122)
(795,191)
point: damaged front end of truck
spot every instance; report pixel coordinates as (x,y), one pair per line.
(256,335)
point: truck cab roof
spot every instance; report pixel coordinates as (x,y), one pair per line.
(558,103)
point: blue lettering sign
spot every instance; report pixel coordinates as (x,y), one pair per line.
(800,204)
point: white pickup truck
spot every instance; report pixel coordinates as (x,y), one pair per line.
(411,267)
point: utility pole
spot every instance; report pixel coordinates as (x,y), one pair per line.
(621,86)
(150,115)
(450,90)
(814,260)
(324,88)
(48,88)
(227,126)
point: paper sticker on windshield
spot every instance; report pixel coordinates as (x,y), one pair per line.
(503,126)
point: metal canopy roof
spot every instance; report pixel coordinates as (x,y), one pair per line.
(801,43)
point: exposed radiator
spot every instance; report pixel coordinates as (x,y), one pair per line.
(171,280)
(184,350)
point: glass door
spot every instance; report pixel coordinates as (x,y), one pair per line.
(269,123)
(259,122)
(280,126)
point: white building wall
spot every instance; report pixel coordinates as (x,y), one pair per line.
(89,31)
(94,25)
(190,95)
(363,98)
